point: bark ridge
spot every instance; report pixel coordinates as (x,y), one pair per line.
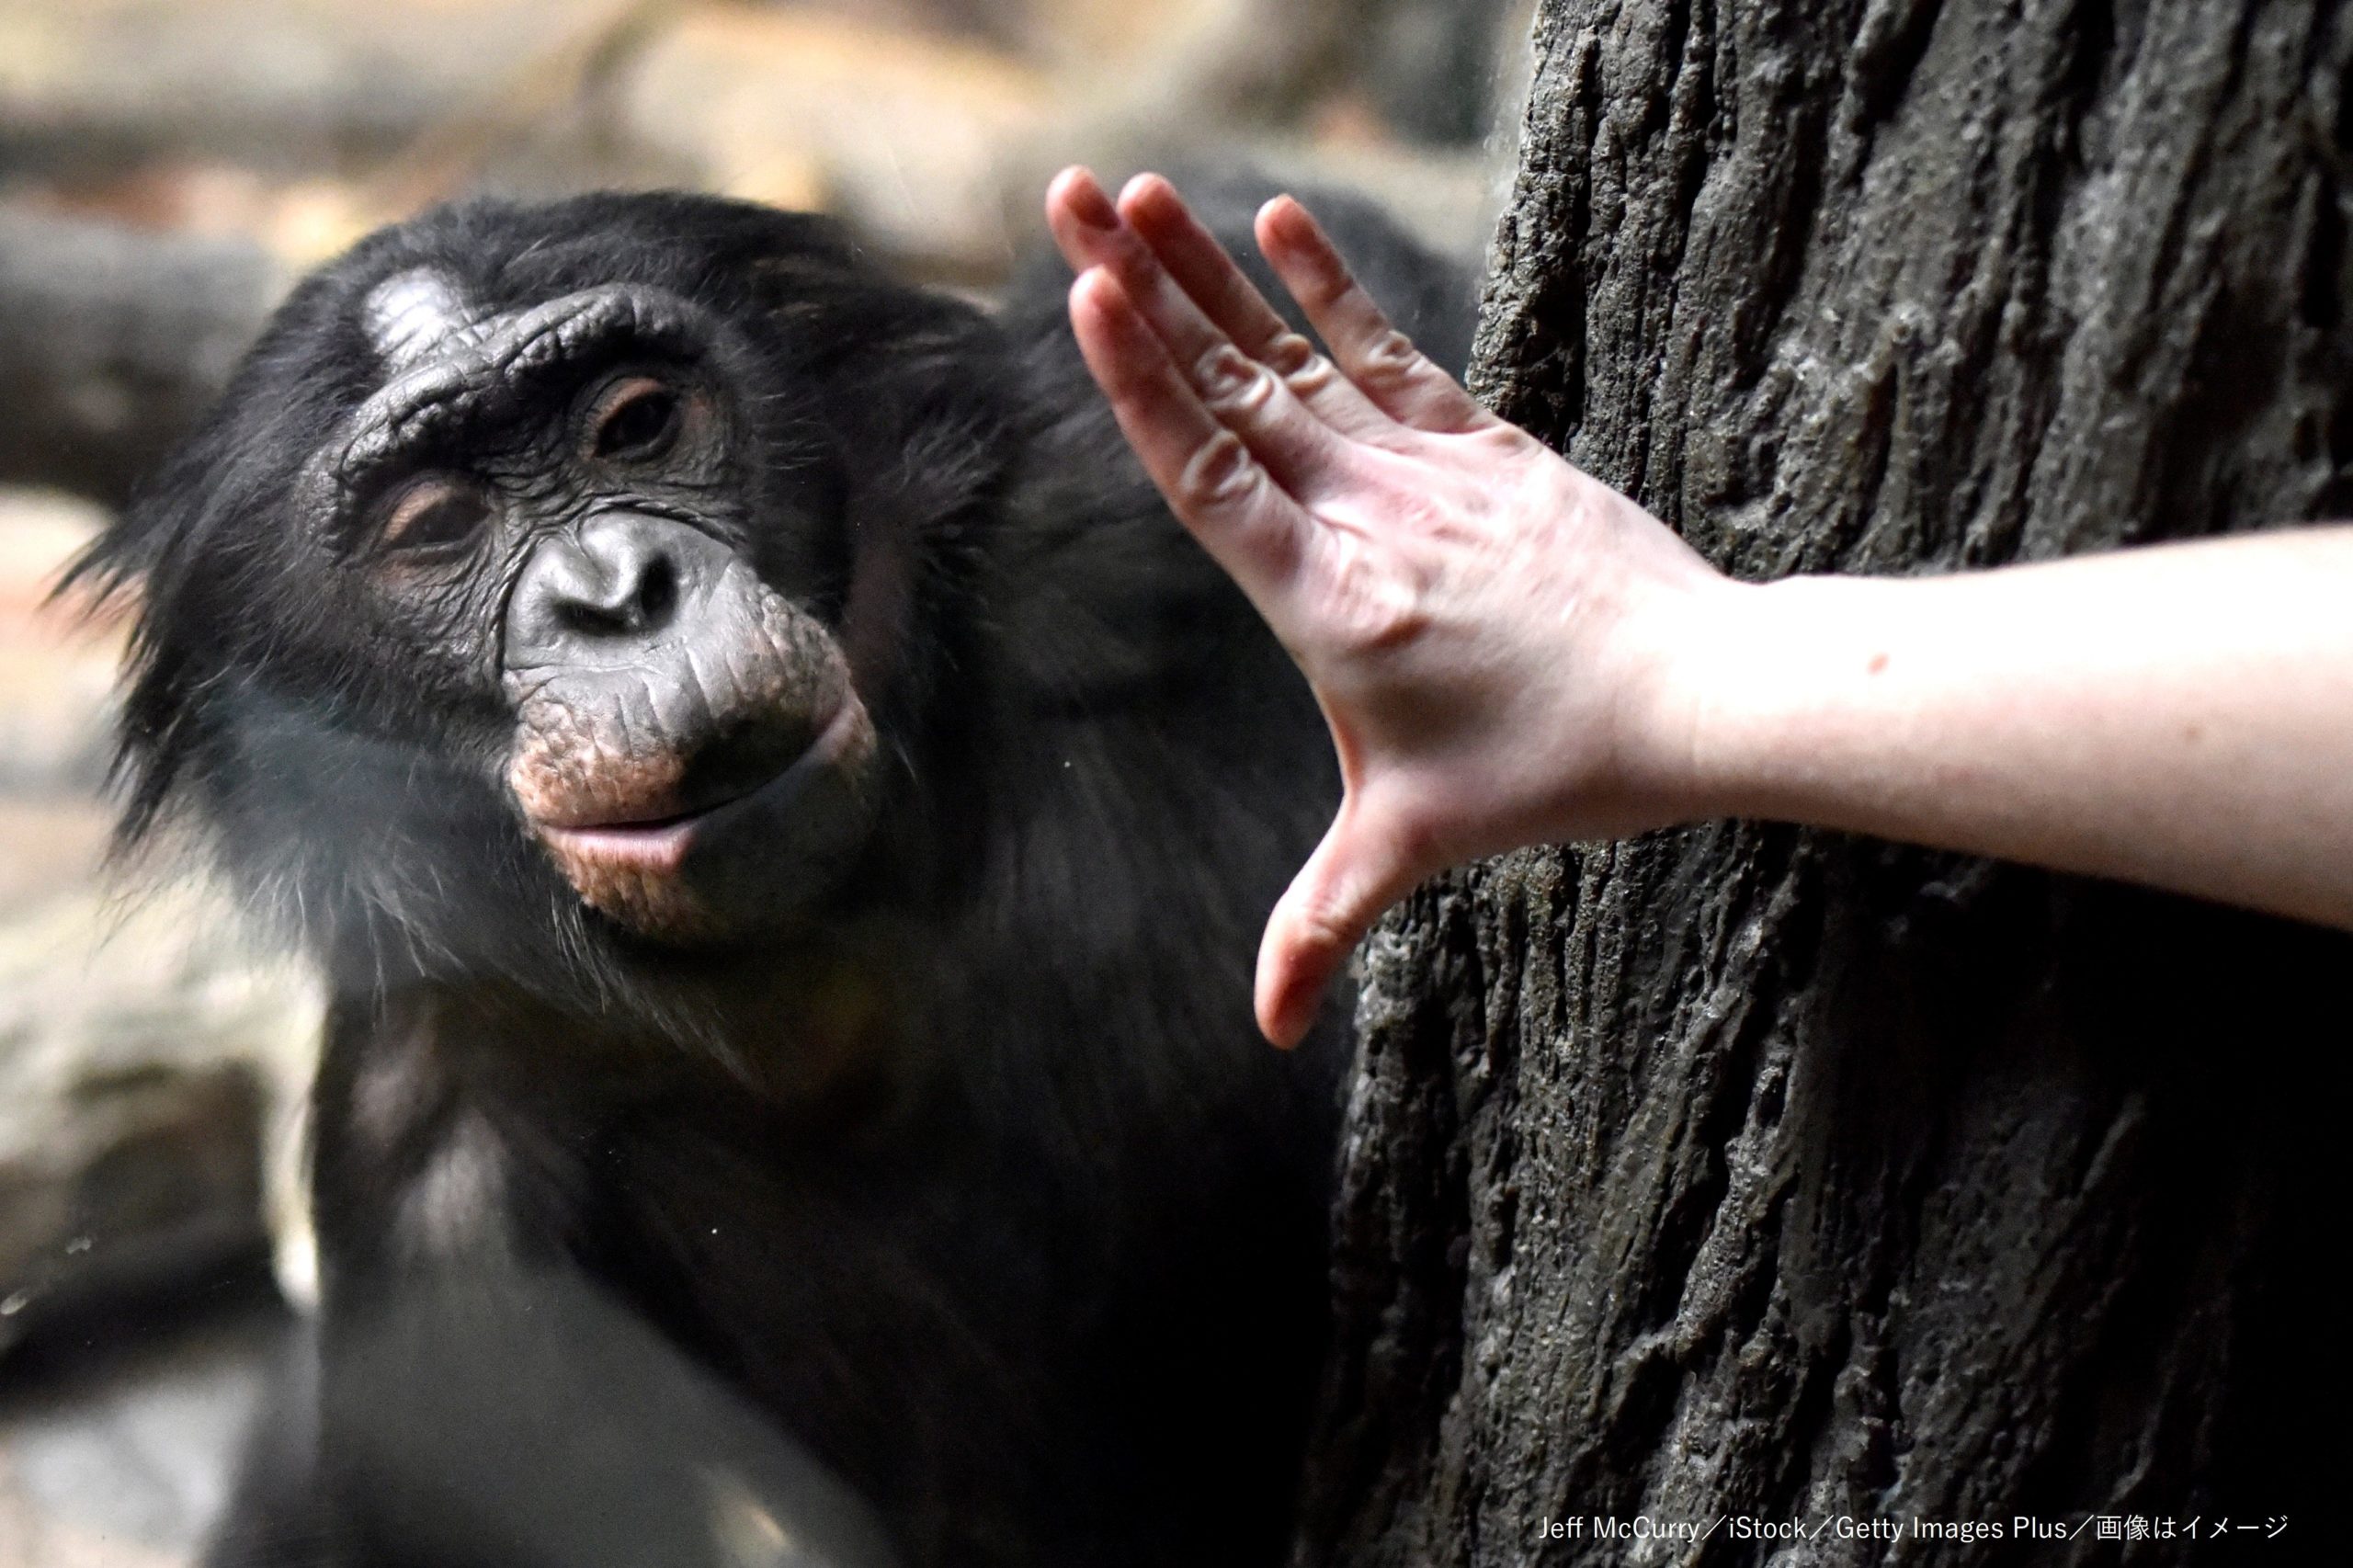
(1745,1171)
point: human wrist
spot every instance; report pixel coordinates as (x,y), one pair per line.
(1688,714)
(1752,677)
(1831,705)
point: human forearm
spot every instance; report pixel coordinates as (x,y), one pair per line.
(2182,716)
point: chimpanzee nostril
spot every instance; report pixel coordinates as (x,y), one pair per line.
(657,592)
(605,591)
(633,601)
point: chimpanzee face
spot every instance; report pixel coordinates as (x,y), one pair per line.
(547,581)
(553,497)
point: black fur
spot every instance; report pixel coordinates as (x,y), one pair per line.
(974,1183)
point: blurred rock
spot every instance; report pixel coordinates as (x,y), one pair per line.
(899,133)
(124,1459)
(48,845)
(56,674)
(112,342)
(297,125)
(996,21)
(93,86)
(145,1056)
(298,220)
(1115,36)
(30,1538)
(1449,199)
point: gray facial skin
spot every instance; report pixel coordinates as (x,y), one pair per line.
(689,748)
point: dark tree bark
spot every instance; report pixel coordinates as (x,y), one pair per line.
(1752,1171)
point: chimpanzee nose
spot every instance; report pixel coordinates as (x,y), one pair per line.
(605,592)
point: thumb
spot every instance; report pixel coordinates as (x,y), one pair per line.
(1360,869)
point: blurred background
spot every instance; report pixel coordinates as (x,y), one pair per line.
(166,168)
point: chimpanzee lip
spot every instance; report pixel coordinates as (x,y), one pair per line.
(660,843)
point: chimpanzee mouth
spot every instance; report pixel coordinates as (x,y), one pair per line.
(658,846)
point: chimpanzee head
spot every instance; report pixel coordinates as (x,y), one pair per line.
(559,582)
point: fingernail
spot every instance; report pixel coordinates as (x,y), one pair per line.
(1292,1010)
(1090,206)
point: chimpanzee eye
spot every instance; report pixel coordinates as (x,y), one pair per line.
(637,419)
(435,514)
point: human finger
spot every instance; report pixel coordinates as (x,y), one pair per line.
(1359,870)
(1383,361)
(1091,233)
(1200,266)
(1296,446)
(1211,480)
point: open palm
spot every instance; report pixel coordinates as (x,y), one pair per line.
(1479,620)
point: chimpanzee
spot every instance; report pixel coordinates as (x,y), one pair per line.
(784,813)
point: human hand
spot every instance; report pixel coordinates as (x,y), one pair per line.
(1492,634)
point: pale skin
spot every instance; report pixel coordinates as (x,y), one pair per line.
(1510,653)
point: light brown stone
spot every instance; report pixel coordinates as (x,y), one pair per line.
(145,1055)
(898,132)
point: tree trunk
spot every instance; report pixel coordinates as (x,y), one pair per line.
(1750,1172)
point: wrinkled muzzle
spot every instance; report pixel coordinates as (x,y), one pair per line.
(688,747)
